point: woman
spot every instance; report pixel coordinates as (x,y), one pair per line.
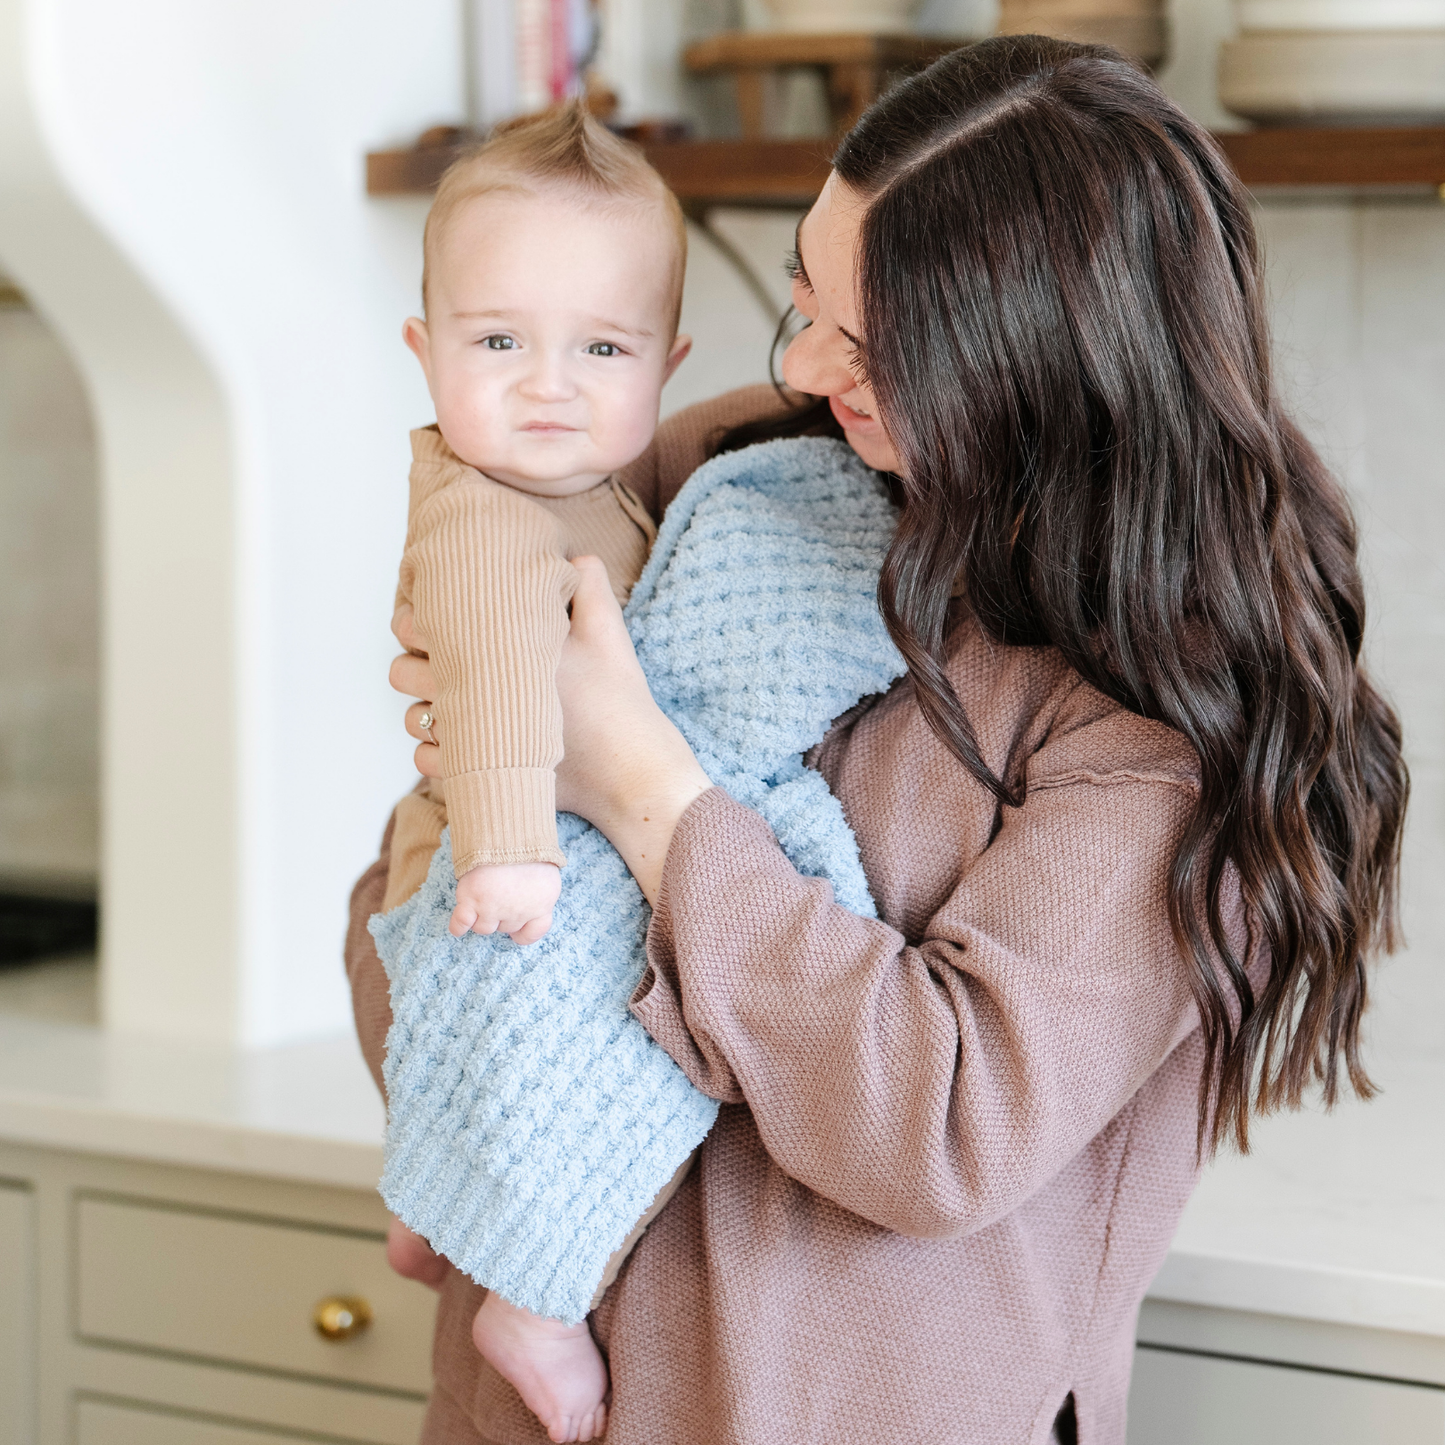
(1132,820)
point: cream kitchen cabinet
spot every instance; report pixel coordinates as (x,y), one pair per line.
(146,1304)
(17,1314)
(1223,1377)
(171,1303)
(1179,1398)
(103,1423)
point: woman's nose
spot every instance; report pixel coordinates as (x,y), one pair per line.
(814,365)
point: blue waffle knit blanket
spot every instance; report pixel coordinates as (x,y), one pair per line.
(531,1119)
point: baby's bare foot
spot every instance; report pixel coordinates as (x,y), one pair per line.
(557,1369)
(409,1254)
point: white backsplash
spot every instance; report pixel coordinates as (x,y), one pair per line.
(49,686)
(1359,302)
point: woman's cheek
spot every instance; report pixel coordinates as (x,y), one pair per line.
(876,450)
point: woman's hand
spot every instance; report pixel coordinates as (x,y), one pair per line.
(411,674)
(626,768)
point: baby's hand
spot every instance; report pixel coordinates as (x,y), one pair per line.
(514,898)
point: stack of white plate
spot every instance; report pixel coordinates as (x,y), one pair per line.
(1336,62)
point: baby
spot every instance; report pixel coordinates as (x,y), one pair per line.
(552,284)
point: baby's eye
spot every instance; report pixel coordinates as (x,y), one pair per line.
(500,342)
(603,348)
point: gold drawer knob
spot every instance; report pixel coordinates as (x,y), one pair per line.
(341,1317)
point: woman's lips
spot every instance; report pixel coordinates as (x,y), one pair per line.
(851,420)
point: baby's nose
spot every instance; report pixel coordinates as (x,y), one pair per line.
(549,378)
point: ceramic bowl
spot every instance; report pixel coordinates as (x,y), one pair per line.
(1137,27)
(844,17)
(1335,77)
(1341,14)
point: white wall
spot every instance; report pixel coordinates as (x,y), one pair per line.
(185,182)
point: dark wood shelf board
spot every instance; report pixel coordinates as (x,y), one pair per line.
(1338,157)
(736,172)
(791,172)
(744,172)
(410,172)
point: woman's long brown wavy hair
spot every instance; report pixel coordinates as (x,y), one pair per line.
(1064,330)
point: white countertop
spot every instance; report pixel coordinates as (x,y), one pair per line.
(308,1112)
(1339,1218)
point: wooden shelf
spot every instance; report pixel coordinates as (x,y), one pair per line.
(786,173)
(1289,157)
(705,172)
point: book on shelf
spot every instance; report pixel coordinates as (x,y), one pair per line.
(525,55)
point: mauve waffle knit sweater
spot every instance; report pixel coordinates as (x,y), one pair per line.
(954,1142)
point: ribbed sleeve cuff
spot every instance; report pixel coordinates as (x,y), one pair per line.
(503,815)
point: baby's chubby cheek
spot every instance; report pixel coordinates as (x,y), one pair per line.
(474,435)
(471,415)
(621,431)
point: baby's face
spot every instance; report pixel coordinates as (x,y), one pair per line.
(549,336)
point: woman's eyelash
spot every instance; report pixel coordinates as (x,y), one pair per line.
(857,365)
(793,269)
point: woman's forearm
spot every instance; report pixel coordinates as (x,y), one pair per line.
(932,1084)
(625,767)
(638,812)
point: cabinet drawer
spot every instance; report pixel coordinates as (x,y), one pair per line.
(246,1290)
(1184,1399)
(17,1316)
(101,1423)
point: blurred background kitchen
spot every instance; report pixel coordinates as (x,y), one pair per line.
(210,233)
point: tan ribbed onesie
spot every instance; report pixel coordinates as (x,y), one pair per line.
(486,573)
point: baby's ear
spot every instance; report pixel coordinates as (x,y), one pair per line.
(676,357)
(414,333)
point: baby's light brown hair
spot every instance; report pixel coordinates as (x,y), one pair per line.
(562,147)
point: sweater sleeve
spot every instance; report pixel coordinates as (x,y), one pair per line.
(929,1085)
(370,992)
(485,570)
